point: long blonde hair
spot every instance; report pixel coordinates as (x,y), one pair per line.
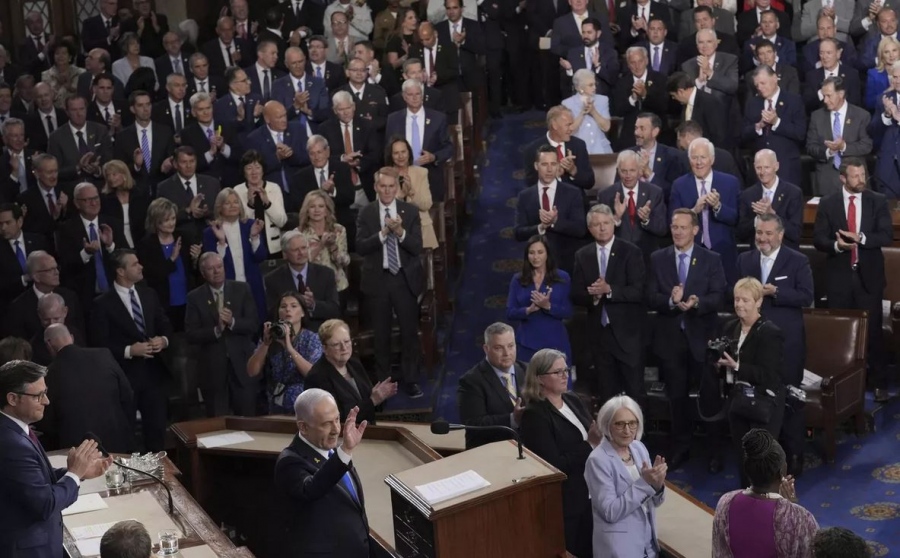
(330,219)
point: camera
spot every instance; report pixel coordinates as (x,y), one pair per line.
(279,330)
(716,348)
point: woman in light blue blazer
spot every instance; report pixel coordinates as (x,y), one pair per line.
(625,486)
(590,111)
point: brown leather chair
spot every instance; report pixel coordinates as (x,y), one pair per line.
(891,323)
(836,351)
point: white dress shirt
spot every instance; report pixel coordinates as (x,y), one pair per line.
(85,257)
(392,208)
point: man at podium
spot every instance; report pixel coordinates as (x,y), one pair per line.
(325,508)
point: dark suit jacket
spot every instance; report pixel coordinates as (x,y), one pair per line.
(294,137)
(788,204)
(785,49)
(91,394)
(138,203)
(446,63)
(810,56)
(95,35)
(366,140)
(669,164)
(484,401)
(792,276)
(373,106)
(646,237)
(549,434)
(9,188)
(119,107)
(761,354)
(370,247)
(284,89)
(608,72)
(320,280)
(311,15)
(813,83)
(28,55)
(471,72)
(785,140)
(566,33)
(584,177)
(36,494)
(787,79)
(875,224)
(625,304)
(315,502)
(433,99)
(334,74)
(11,272)
(38,218)
(162,113)
(163,65)
(62,145)
(256,85)
(657,11)
(668,56)
(656,101)
(687,46)
(151,40)
(224,169)
(86,82)
(706,280)
(567,235)
(436,141)
(157,267)
(24,321)
(234,346)
(214,83)
(35,131)
(708,112)
(307,180)
(75,274)
(748,21)
(217,62)
(324,375)
(225,111)
(162,146)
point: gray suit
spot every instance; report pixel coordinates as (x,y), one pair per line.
(862,11)
(174,190)
(843,9)
(221,360)
(63,146)
(332,54)
(855,135)
(725,74)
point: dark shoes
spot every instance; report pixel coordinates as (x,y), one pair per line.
(881,395)
(413,391)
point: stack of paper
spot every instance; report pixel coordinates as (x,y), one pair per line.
(88,486)
(87,538)
(86,503)
(811,380)
(452,487)
(227,439)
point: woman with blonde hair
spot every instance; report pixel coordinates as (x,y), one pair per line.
(414,186)
(878,79)
(239,242)
(327,237)
(122,201)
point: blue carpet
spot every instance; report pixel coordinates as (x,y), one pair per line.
(860,491)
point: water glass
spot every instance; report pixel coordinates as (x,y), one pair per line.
(168,542)
(115,477)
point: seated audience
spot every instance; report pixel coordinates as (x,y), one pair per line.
(285,360)
(591,112)
(327,238)
(414,188)
(262,200)
(558,427)
(539,300)
(126,539)
(764,519)
(625,486)
(344,377)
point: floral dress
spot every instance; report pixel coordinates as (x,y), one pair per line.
(283,381)
(338,260)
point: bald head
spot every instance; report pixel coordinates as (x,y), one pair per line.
(427,34)
(275,116)
(57,336)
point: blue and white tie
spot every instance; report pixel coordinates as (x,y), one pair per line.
(416,141)
(347,481)
(136,313)
(145,149)
(393,252)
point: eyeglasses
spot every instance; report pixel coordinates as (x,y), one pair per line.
(622,425)
(560,372)
(38,397)
(338,344)
(48,270)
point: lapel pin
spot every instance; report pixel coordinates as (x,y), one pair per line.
(848,121)
(317,460)
(694,261)
(780,103)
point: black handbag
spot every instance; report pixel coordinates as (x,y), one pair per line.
(752,404)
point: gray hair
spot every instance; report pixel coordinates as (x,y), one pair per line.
(583,77)
(50,301)
(287,237)
(895,65)
(496,328)
(81,186)
(316,139)
(611,407)
(771,218)
(9,123)
(199,97)
(38,160)
(703,142)
(541,363)
(31,262)
(628,155)
(55,332)
(195,57)
(206,256)
(636,50)
(173,76)
(306,403)
(599,209)
(765,153)
(341,97)
(707,31)
(410,83)
(409,62)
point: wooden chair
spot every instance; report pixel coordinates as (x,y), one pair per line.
(451,219)
(836,351)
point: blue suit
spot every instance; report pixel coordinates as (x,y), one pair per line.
(261,140)
(877,83)
(721,224)
(788,204)
(810,56)
(620,522)
(668,56)
(567,235)
(251,262)
(541,329)
(284,89)
(785,140)
(869,51)
(435,140)
(34,495)
(225,111)
(887,137)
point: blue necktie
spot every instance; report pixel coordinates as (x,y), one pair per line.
(766,268)
(656,60)
(102,283)
(319,72)
(835,134)
(393,252)
(416,141)
(682,279)
(347,482)
(300,89)
(705,218)
(136,313)
(604,317)
(284,180)
(20,255)
(145,149)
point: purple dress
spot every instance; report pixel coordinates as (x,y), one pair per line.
(746,527)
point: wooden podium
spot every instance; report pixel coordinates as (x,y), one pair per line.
(493,521)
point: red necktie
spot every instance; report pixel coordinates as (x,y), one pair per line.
(431,50)
(560,155)
(545,199)
(632,211)
(33,435)
(611,6)
(851,226)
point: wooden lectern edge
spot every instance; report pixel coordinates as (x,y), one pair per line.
(691,499)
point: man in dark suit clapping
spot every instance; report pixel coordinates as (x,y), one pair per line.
(220,321)
(489,394)
(193,193)
(571,151)
(787,289)
(641,89)
(851,228)
(389,238)
(14,251)
(773,196)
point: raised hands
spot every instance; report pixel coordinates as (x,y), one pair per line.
(655,476)
(352,432)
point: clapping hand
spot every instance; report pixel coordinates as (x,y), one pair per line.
(595,59)
(643,212)
(225,317)
(701,204)
(599,287)
(91,247)
(541,300)
(86,461)
(714,199)
(686,305)
(352,432)
(138,158)
(655,476)
(567,163)
(762,206)
(256,228)
(846,240)
(547,217)
(106,235)
(157,344)
(594,435)
(677,294)
(59,208)
(837,145)
(518,410)
(309,300)
(383,390)
(619,206)
(769,117)
(196,209)
(218,231)
(196,250)
(395,225)
(787,490)
(639,89)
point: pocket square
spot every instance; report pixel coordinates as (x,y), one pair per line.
(782,277)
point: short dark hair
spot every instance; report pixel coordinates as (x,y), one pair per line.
(126,539)
(764,43)
(838,542)
(73,98)
(132,99)
(592,21)
(685,211)
(836,81)
(14,348)
(319,38)
(655,121)
(274,19)
(253,156)
(4,85)
(103,76)
(851,162)
(704,9)
(183,150)
(15,208)
(689,127)
(679,80)
(117,258)
(267,42)
(365,44)
(16,374)
(545,148)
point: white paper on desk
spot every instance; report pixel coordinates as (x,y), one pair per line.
(451,487)
(814,201)
(86,503)
(89,547)
(811,380)
(219,440)
(88,486)
(94,531)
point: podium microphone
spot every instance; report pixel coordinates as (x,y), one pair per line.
(441,426)
(94,437)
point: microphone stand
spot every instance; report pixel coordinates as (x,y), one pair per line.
(155,478)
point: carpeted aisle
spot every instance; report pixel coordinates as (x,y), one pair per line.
(860,491)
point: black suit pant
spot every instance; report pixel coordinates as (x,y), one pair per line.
(740,426)
(494,65)
(518,68)
(615,370)
(151,400)
(394,298)
(858,298)
(232,398)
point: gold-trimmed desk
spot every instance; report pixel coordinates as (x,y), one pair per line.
(243,472)
(196,526)
(684,525)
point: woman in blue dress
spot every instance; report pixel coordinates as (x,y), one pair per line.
(539,300)
(285,362)
(591,113)
(878,78)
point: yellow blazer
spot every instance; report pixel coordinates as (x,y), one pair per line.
(418,193)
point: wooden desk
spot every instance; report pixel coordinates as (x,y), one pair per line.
(445,444)
(684,525)
(199,530)
(809,221)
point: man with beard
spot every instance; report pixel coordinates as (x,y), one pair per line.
(600,59)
